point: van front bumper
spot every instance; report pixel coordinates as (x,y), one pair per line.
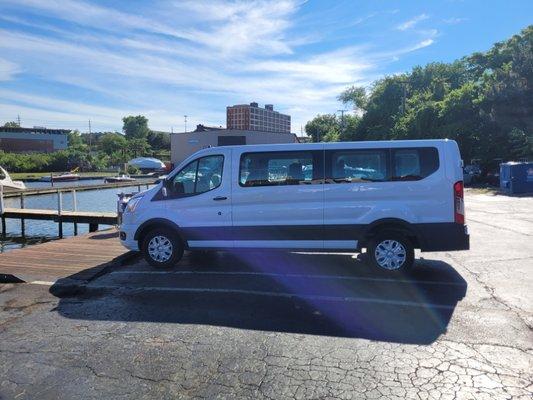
(126,237)
(447,236)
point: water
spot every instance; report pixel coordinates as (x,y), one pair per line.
(41,231)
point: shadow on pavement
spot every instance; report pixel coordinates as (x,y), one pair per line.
(318,294)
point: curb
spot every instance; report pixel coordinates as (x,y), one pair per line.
(68,287)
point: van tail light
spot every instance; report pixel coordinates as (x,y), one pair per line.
(459,203)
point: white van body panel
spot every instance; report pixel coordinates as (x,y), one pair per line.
(318,214)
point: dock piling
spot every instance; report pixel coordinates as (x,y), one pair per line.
(2,210)
(59,210)
(22,223)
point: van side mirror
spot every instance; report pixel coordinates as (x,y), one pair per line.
(164,191)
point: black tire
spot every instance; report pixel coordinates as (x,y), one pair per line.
(166,237)
(399,245)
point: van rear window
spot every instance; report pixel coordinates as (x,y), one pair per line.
(276,168)
(414,164)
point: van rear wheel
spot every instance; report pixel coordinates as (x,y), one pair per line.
(162,248)
(391,252)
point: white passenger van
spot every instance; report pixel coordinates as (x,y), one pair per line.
(387,197)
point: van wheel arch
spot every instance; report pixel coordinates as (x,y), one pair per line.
(391,225)
(147,226)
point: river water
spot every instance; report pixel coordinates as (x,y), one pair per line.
(40,231)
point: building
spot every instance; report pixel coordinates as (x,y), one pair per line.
(182,145)
(251,117)
(33,140)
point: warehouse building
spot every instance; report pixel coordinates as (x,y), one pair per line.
(182,145)
(32,140)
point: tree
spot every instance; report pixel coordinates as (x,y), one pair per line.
(159,140)
(483,101)
(319,126)
(135,127)
(11,124)
(355,96)
(110,143)
(75,141)
(138,147)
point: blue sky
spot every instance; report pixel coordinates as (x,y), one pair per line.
(67,61)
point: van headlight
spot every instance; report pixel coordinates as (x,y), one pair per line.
(132,204)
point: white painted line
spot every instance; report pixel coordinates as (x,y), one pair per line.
(277,275)
(275,294)
(43,283)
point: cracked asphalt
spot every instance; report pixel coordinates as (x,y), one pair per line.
(277,326)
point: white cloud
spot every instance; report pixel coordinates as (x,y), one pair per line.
(187,57)
(8,70)
(412,22)
(454,20)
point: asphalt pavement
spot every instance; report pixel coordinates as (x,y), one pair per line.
(276,326)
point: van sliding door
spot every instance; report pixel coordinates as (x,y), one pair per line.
(278,199)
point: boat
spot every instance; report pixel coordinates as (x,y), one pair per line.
(64,177)
(119,178)
(8,184)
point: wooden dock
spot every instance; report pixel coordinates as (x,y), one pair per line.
(55,189)
(81,217)
(76,258)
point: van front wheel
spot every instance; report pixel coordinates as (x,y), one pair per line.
(391,252)
(162,248)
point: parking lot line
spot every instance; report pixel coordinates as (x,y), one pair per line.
(272,274)
(276,294)
(43,283)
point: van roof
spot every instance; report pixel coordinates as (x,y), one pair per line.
(335,145)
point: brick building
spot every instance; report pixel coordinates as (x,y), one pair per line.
(251,117)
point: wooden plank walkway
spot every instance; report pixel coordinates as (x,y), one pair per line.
(81,217)
(77,258)
(80,188)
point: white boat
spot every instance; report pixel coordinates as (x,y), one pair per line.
(119,178)
(64,177)
(8,184)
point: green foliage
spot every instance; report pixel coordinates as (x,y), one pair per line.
(331,128)
(159,140)
(11,124)
(74,140)
(133,170)
(135,127)
(355,96)
(110,143)
(483,101)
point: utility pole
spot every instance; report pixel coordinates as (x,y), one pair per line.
(171,129)
(18,119)
(342,119)
(185,117)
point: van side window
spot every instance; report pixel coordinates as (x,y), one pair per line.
(199,176)
(350,166)
(414,164)
(276,168)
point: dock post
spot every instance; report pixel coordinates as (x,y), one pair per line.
(75,202)
(2,210)
(59,209)
(22,223)
(139,187)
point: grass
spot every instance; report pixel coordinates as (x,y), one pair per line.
(29,175)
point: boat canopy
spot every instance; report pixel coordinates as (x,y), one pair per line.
(147,163)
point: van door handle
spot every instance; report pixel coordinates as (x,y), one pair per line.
(218,198)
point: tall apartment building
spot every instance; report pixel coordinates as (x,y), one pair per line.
(250,117)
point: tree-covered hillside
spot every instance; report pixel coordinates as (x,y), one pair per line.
(483,101)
